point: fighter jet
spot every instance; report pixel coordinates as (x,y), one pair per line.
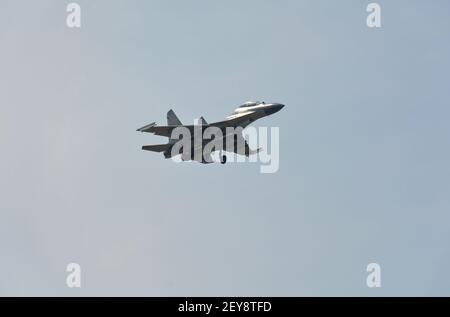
(241,117)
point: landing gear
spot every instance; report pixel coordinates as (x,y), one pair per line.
(223,158)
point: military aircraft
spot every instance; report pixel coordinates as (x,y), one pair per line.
(244,115)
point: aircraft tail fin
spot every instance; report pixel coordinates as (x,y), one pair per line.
(202,121)
(156,147)
(172,118)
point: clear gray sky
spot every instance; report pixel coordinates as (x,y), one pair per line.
(364,155)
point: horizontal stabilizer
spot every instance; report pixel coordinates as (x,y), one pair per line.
(156,147)
(146,127)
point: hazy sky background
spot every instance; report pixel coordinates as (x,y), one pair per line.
(364,163)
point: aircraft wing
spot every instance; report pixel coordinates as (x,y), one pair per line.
(231,121)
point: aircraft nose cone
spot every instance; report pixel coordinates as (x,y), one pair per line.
(279,106)
(275,107)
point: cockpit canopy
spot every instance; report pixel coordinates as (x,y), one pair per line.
(251,104)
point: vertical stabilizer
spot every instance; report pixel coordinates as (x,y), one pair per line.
(172,118)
